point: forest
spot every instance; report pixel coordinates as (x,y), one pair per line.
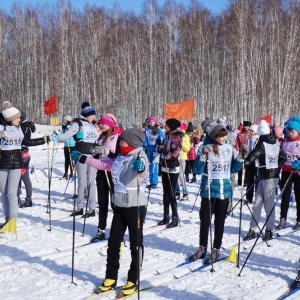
(243,63)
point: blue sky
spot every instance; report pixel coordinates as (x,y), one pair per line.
(215,6)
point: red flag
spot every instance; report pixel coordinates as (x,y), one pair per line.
(50,106)
(181,111)
(267,118)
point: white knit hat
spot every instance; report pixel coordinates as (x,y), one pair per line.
(254,127)
(263,128)
(68,118)
(9,112)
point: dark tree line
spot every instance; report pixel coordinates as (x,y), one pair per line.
(244,63)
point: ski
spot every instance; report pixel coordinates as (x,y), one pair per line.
(288,293)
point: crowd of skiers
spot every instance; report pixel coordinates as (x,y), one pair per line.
(112,167)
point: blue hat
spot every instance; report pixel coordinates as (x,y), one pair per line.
(294,125)
(84,105)
(88,111)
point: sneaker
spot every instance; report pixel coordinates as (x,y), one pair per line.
(165,220)
(281,224)
(199,254)
(78,212)
(268,235)
(174,222)
(89,213)
(185,197)
(177,195)
(296,282)
(297,226)
(129,289)
(213,257)
(106,285)
(250,235)
(65,176)
(100,236)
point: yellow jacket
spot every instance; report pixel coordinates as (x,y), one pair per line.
(186,146)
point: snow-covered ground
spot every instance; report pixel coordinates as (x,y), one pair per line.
(39,264)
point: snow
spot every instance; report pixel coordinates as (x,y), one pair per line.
(39,264)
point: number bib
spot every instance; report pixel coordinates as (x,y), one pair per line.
(151,137)
(90,134)
(116,170)
(219,165)
(13,139)
(292,151)
(271,156)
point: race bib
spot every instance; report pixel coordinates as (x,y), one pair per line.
(271,156)
(13,139)
(292,151)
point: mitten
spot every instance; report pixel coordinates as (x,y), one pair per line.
(207,149)
(138,165)
(82,159)
(75,154)
(100,150)
(296,165)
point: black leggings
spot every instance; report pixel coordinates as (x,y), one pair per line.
(169,181)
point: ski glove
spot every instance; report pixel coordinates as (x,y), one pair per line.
(75,154)
(138,166)
(82,159)
(100,150)
(207,149)
(296,165)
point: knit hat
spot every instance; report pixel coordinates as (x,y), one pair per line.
(221,120)
(84,105)
(152,118)
(68,118)
(215,131)
(134,137)
(9,112)
(278,131)
(263,128)
(87,111)
(173,124)
(108,119)
(254,127)
(295,124)
(246,123)
(190,127)
(230,127)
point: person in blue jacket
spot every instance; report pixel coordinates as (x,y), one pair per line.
(215,163)
(153,136)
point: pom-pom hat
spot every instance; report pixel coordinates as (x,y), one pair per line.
(263,128)
(9,112)
(88,111)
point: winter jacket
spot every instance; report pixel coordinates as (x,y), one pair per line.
(195,141)
(28,127)
(219,188)
(80,125)
(12,158)
(70,142)
(291,147)
(259,153)
(150,141)
(242,139)
(124,178)
(186,146)
(170,151)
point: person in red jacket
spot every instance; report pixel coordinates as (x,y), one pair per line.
(291,146)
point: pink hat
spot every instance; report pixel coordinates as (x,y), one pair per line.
(108,119)
(278,132)
(152,118)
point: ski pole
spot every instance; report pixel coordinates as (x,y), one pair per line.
(266,221)
(196,199)
(138,229)
(74,207)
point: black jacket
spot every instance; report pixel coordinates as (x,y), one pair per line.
(259,153)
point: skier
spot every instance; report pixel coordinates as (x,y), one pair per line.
(11,161)
(108,147)
(251,171)
(69,146)
(85,135)
(270,158)
(129,203)
(291,146)
(170,151)
(215,164)
(153,136)
(27,127)
(241,141)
